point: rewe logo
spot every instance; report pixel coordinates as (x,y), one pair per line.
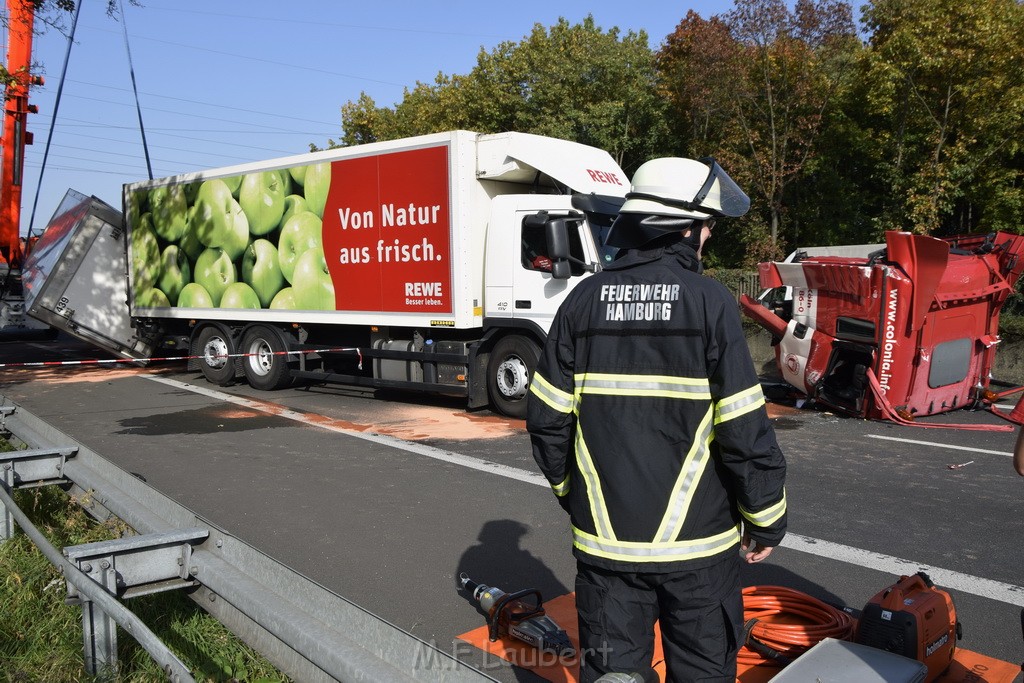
(423,289)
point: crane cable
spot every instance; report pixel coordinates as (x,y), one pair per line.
(53,119)
(135,90)
(781,624)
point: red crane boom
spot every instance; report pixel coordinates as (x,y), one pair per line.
(20,18)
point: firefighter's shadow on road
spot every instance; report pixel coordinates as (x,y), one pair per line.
(499,560)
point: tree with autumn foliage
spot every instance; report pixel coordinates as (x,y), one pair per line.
(754,88)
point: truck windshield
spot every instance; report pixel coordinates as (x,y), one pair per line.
(600,212)
(599,224)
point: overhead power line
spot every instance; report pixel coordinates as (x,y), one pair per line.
(81,123)
(180,113)
(358,27)
(275,62)
(232,145)
(289,116)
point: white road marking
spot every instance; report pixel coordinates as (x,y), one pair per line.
(944,578)
(420,449)
(970,449)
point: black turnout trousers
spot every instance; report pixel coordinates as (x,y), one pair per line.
(701,615)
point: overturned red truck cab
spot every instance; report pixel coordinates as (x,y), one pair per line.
(892,331)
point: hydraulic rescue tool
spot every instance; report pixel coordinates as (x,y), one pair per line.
(915,619)
(520,615)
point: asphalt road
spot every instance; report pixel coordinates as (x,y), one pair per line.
(390,526)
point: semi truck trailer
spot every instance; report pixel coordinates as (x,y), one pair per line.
(434,263)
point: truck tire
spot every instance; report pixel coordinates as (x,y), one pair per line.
(509,370)
(265,365)
(213,344)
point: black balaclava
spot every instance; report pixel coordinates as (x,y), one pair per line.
(634,230)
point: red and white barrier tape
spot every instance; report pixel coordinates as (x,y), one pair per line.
(101,361)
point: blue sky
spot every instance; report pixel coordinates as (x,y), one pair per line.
(225,83)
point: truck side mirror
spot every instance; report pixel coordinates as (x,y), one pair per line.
(558,244)
(561,270)
(556,233)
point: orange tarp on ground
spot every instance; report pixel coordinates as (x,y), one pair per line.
(967,667)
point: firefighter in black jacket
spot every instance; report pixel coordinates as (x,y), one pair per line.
(647,419)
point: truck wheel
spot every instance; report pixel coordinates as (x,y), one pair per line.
(215,346)
(513,360)
(265,365)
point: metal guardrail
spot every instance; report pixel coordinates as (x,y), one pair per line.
(307,631)
(97,598)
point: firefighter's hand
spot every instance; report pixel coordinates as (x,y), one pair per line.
(751,552)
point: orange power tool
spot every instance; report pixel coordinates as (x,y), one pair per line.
(915,619)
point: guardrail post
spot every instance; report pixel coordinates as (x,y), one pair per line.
(7,475)
(6,519)
(128,567)
(99,631)
(31,467)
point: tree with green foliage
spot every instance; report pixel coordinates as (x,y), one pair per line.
(576,82)
(945,88)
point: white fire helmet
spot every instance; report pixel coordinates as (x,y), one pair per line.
(686,188)
(669,194)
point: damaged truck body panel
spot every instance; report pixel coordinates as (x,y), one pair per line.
(911,327)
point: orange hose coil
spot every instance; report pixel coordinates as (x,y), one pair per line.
(817,620)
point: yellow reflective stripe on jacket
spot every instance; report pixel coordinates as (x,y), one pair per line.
(559,400)
(631,551)
(769,515)
(643,385)
(562,487)
(598,510)
(689,475)
(739,404)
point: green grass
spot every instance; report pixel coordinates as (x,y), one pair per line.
(1011,327)
(41,637)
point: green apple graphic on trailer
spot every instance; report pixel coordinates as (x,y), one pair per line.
(361,234)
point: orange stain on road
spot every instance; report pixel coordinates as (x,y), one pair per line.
(66,374)
(407,422)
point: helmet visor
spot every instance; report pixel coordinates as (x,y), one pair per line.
(721,196)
